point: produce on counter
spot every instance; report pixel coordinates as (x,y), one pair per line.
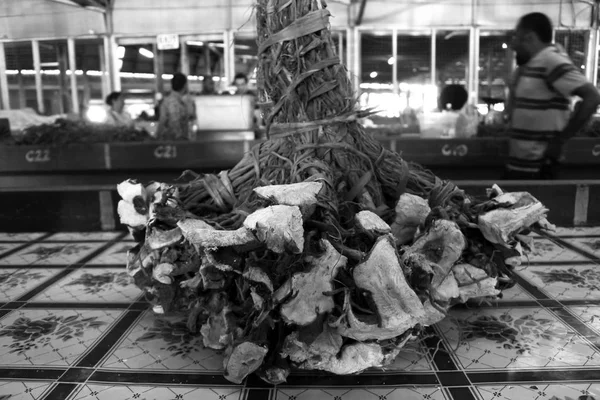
(64,131)
(320,249)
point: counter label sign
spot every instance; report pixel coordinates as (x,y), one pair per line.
(167,42)
(167,151)
(457,150)
(596,150)
(38,156)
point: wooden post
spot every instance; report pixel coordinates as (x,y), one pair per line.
(107,212)
(3,80)
(582,199)
(39,90)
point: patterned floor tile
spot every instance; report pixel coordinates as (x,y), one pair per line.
(570,282)
(159,343)
(518,338)
(414,393)
(413,357)
(23,390)
(539,392)
(590,315)
(112,392)
(548,251)
(69,236)
(16,282)
(5,247)
(20,237)
(108,285)
(50,337)
(51,254)
(116,254)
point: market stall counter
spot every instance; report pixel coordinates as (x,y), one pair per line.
(452,157)
(78,180)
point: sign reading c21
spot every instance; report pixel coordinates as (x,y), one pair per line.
(456,150)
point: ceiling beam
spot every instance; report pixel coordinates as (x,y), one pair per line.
(361,13)
(95,7)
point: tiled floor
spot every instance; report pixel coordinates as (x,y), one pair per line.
(72,326)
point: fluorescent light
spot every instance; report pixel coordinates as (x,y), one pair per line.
(194,43)
(167,76)
(146,53)
(391,61)
(121,52)
(373,74)
(12,71)
(504,46)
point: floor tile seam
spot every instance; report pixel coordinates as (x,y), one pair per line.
(540,381)
(98,340)
(580,335)
(118,341)
(576,249)
(447,348)
(107,245)
(56,385)
(25,245)
(121,338)
(51,280)
(525,285)
(470,388)
(577,317)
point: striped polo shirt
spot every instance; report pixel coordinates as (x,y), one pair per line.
(539,106)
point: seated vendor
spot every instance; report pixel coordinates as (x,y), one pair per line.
(116,115)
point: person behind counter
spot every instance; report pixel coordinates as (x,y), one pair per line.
(240,81)
(116,114)
(208,86)
(177,112)
(538,107)
(457,118)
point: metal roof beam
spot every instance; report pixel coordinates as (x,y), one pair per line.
(361,13)
(92,5)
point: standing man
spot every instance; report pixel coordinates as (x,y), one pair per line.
(176,112)
(539,102)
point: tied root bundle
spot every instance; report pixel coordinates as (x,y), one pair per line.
(320,249)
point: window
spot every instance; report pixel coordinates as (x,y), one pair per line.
(574,42)
(452,57)
(495,66)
